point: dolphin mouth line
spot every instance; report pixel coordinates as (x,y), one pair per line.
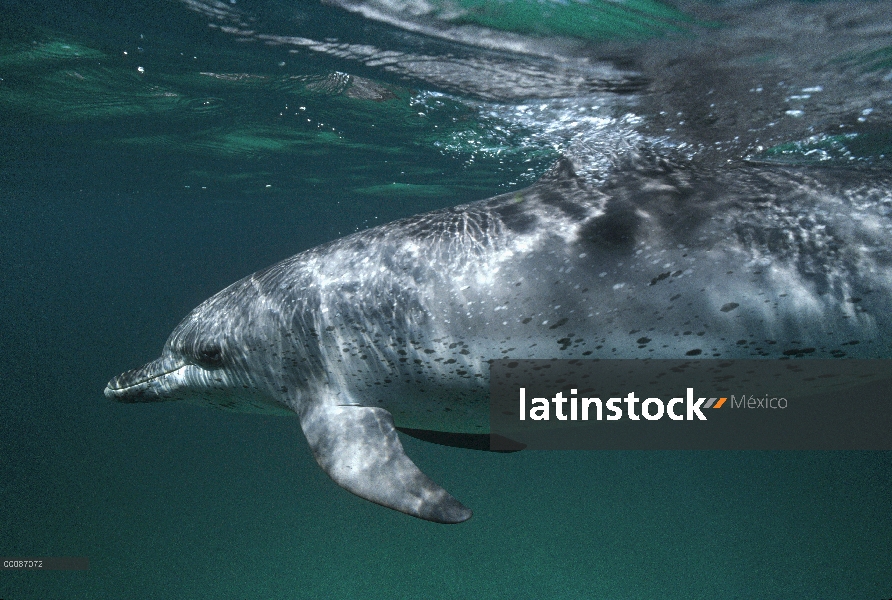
(141,377)
(141,382)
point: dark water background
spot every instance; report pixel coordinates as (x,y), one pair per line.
(258,129)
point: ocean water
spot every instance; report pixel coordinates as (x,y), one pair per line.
(152,153)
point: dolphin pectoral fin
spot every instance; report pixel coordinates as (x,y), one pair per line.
(359,449)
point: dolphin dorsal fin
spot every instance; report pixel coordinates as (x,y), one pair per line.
(560,172)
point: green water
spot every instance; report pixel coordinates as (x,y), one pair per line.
(151,154)
(636,19)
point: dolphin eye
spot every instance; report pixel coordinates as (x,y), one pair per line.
(209,356)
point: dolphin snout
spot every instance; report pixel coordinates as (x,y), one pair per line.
(145,384)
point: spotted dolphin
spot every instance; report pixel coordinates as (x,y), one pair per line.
(394,327)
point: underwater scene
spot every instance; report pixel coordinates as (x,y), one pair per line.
(457,181)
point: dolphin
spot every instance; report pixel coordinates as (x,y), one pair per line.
(394,326)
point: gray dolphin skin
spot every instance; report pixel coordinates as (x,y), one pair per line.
(394,327)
